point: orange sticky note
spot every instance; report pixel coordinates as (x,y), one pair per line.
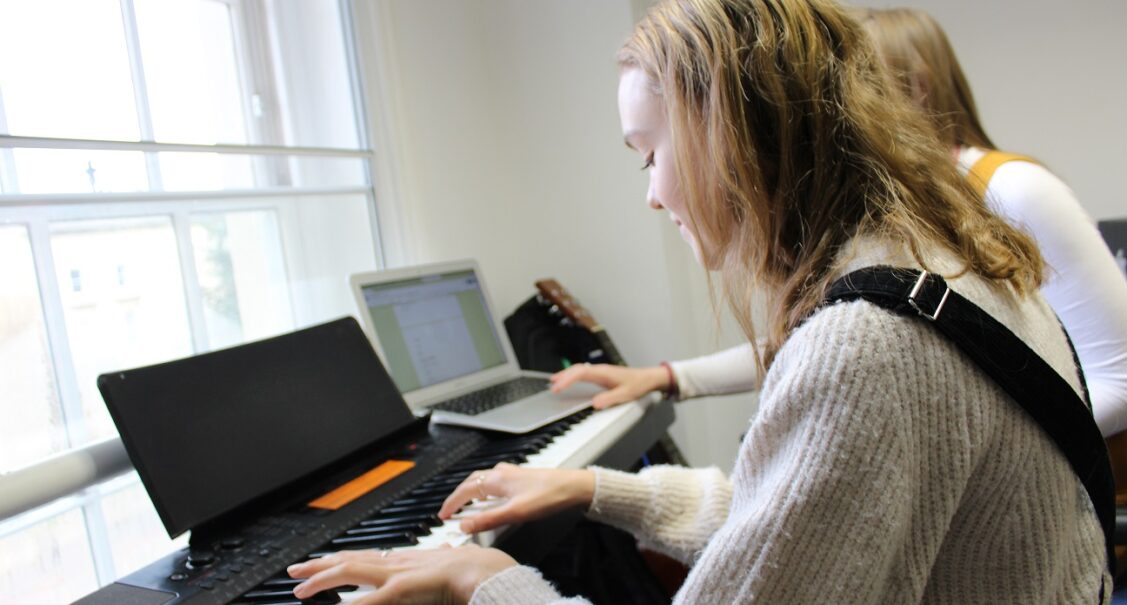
(362,484)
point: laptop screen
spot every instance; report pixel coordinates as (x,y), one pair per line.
(433,328)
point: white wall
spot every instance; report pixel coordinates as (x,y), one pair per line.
(1050,81)
(500,140)
(503,118)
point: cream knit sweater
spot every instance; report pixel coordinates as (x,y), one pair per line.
(881,467)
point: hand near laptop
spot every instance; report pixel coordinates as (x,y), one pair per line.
(623,384)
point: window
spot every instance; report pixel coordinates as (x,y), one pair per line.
(176,176)
(30,430)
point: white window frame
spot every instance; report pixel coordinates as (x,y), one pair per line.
(23,508)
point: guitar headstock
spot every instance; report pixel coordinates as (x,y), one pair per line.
(554,293)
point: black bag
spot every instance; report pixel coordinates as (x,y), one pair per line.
(602,563)
(545,340)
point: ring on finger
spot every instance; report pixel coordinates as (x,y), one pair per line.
(481,485)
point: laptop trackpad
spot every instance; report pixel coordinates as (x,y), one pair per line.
(536,408)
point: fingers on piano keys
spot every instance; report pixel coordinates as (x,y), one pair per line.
(412,521)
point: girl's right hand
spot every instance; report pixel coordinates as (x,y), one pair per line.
(623,384)
(529,493)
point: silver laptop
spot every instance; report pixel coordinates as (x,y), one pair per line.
(435,331)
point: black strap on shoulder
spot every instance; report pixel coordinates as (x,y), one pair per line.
(1028,379)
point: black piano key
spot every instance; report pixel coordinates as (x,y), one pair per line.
(447,481)
(419,529)
(437,490)
(268,594)
(281,582)
(383,540)
(479,460)
(325,597)
(420,501)
(469,466)
(278,597)
(385,520)
(513,448)
(484,463)
(288,583)
(555,430)
(511,453)
(492,460)
(410,510)
(447,477)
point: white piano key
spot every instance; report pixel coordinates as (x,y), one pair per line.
(352,597)
(586,440)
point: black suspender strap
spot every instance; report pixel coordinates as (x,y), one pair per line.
(1028,379)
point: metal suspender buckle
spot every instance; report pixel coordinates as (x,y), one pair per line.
(916,290)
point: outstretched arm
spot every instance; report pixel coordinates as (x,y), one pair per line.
(733,370)
(623,384)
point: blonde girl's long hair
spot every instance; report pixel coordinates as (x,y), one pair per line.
(788,142)
(916,50)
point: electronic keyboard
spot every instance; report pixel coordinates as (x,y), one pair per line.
(246,563)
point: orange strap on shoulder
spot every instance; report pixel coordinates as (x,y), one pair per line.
(980,174)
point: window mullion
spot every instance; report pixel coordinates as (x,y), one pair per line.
(374,221)
(99,539)
(182,224)
(356,85)
(253,40)
(355,75)
(70,396)
(140,91)
(8,181)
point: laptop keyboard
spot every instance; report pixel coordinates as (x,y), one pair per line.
(490,397)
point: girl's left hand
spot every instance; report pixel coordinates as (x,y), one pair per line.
(442,575)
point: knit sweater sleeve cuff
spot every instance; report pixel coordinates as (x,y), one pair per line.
(518,585)
(620,498)
(670,509)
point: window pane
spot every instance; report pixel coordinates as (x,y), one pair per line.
(191,71)
(328,238)
(316,93)
(218,171)
(79,171)
(137,537)
(242,276)
(327,171)
(33,422)
(123,300)
(205,171)
(47,563)
(64,71)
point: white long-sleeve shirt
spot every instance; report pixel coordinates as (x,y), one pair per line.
(1083,283)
